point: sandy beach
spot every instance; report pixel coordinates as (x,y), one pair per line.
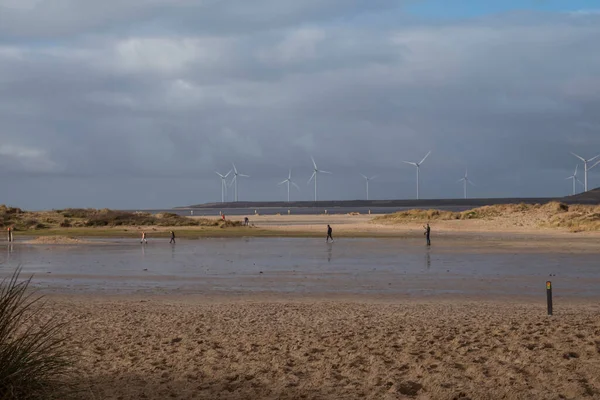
(264,348)
(218,328)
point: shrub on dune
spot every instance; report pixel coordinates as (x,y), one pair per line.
(33,361)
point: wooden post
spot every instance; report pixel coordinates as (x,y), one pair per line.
(549,296)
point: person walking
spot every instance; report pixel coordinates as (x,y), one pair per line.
(427,234)
(144,238)
(329,234)
(9,231)
(172,237)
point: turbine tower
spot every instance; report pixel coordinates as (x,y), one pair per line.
(418,165)
(235,180)
(466,180)
(576,179)
(367,179)
(586,169)
(288,181)
(316,171)
(223,185)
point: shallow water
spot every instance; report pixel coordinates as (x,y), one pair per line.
(299,265)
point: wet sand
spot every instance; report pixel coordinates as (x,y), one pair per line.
(304,266)
(255,348)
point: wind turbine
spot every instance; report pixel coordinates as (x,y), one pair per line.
(223,185)
(418,165)
(316,171)
(575,179)
(466,180)
(586,169)
(235,181)
(367,179)
(288,181)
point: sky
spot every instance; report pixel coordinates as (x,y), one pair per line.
(135,104)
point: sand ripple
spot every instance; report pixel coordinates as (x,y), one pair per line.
(331,350)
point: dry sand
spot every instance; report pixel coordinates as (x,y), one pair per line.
(257,348)
(510,233)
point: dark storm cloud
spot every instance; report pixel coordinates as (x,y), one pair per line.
(154,112)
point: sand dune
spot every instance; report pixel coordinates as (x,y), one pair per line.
(318,349)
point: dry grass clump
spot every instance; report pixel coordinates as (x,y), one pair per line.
(575,218)
(33,361)
(417,215)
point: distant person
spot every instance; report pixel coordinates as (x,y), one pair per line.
(223,217)
(329,234)
(144,238)
(9,231)
(172,237)
(427,234)
(246,221)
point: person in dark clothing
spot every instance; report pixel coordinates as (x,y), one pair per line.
(329,232)
(246,221)
(427,234)
(172,237)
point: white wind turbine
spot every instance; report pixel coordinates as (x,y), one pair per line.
(235,180)
(466,181)
(586,169)
(288,181)
(223,185)
(418,165)
(576,179)
(316,171)
(367,179)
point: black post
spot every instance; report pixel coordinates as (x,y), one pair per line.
(549,296)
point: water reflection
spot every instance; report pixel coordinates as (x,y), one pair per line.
(329,252)
(427,260)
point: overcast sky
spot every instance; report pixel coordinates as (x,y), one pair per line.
(135,103)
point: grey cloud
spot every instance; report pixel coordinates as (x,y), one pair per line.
(507,96)
(61,18)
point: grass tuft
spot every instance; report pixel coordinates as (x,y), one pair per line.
(33,362)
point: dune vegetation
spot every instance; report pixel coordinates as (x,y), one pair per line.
(22,220)
(575,218)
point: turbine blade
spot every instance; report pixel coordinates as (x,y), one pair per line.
(314,163)
(598,162)
(232,181)
(325,172)
(593,158)
(364,176)
(460,180)
(373,177)
(472,184)
(296,186)
(576,166)
(311,177)
(581,158)
(245,176)
(234,168)
(290,174)
(228,174)
(424,158)
(571,177)
(411,163)
(222,176)
(282,182)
